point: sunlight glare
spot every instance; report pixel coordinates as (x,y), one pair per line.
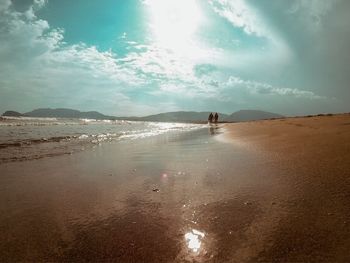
(174,22)
(194,239)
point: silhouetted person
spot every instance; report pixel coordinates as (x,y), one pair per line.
(210,118)
(216,117)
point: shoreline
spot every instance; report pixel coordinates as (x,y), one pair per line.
(266,196)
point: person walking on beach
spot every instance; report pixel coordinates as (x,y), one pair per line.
(210,118)
(216,117)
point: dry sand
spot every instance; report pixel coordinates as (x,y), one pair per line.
(311,156)
(267,191)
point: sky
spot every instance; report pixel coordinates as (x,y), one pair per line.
(141,57)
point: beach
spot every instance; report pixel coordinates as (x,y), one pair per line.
(311,155)
(262,191)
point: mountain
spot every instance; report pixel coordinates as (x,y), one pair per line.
(178,116)
(11,113)
(181,116)
(67,113)
(251,115)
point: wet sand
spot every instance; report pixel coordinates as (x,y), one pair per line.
(269,191)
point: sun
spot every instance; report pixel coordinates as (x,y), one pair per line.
(174,23)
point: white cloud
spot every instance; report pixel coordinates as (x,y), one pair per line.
(40,65)
(255,87)
(311,12)
(169,71)
(160,63)
(314,8)
(4,4)
(39,3)
(174,48)
(188,90)
(275,51)
(240,15)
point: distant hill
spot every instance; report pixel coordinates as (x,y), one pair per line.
(66,113)
(181,116)
(178,116)
(251,115)
(60,113)
(11,113)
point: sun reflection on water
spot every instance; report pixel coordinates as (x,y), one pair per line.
(193,239)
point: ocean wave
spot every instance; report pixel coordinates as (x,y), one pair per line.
(147,130)
(27,142)
(27,118)
(31,121)
(157,128)
(54,136)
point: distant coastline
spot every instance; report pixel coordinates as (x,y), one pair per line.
(179,116)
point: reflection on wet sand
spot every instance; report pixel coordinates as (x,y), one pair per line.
(194,240)
(214,129)
(165,199)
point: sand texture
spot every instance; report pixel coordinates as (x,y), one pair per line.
(311,158)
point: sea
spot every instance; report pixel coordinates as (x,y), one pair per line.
(25,138)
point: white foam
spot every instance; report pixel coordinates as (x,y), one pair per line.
(83,137)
